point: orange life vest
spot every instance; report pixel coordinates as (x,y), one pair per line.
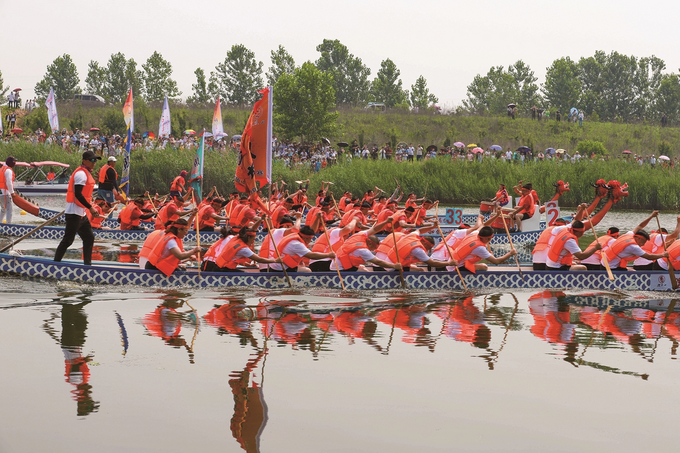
(150,242)
(162,218)
(96,222)
(464,250)
(242,219)
(205,218)
(406,245)
(227,257)
(651,246)
(384,215)
(321,245)
(212,250)
(277,215)
(348,216)
(102,173)
(443,243)
(87,189)
(343,203)
(3,183)
(125,216)
(177,184)
(612,252)
(530,200)
(397,217)
(311,218)
(543,240)
(387,244)
(602,240)
(557,247)
(357,241)
(674,255)
(290,261)
(169,264)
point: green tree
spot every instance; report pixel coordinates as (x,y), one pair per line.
(121,75)
(200,88)
(62,75)
(420,94)
(113,122)
(562,87)
(238,78)
(525,86)
(304,102)
(3,88)
(350,75)
(592,83)
(157,81)
(647,80)
(387,87)
(37,119)
(667,98)
(282,63)
(95,81)
(590,147)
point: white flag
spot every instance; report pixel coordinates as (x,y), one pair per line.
(52,111)
(217,127)
(164,125)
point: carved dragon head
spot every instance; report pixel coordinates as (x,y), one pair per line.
(561,187)
(617,191)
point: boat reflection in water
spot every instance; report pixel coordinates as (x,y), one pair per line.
(72,339)
(166,322)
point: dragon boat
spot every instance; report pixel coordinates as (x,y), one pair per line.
(500,277)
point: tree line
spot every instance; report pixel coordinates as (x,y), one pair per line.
(608,87)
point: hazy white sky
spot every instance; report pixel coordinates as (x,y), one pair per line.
(448,42)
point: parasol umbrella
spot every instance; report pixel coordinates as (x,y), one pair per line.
(432,148)
(560,151)
(325,141)
(472,145)
(550,151)
(664,158)
(477,150)
(627,152)
(459,145)
(343,144)
(523,149)
(512,106)
(17,130)
(94,129)
(573,111)
(189,132)
(17,89)
(496,148)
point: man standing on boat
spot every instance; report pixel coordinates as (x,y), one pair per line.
(108,181)
(78,197)
(7,189)
(177,186)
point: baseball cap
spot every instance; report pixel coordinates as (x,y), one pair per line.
(89,155)
(112,159)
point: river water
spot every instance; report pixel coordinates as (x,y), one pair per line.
(94,368)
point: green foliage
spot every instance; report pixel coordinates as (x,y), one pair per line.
(282,63)
(420,94)
(493,92)
(200,89)
(62,75)
(665,148)
(76,120)
(562,87)
(238,78)
(386,87)
(589,147)
(113,123)
(114,81)
(350,75)
(3,88)
(96,79)
(303,102)
(157,81)
(37,119)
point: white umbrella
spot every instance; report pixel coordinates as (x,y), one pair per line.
(664,158)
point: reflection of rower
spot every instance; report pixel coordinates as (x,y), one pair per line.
(166,322)
(73,327)
(250,410)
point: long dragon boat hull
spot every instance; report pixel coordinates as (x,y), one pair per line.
(32,267)
(206,237)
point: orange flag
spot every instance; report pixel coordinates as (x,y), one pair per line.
(255,159)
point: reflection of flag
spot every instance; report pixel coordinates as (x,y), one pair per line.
(51,112)
(196,177)
(254,162)
(164,125)
(217,127)
(125,175)
(128,112)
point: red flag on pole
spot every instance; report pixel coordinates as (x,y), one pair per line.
(255,159)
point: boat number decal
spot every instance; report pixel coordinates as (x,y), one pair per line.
(552,212)
(454,216)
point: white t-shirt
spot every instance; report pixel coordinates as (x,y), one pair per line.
(442,254)
(277,234)
(294,248)
(79,179)
(658,243)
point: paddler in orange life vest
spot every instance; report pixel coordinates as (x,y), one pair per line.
(319,216)
(525,207)
(132,214)
(539,255)
(169,251)
(7,193)
(358,250)
(103,209)
(656,244)
(420,215)
(281,211)
(412,249)
(208,215)
(473,249)
(502,196)
(592,263)
(630,246)
(79,210)
(288,225)
(294,248)
(177,186)
(108,182)
(171,212)
(337,237)
(564,248)
(238,250)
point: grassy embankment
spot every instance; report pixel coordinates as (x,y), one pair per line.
(448,181)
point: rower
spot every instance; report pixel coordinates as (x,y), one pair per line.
(337,237)
(565,247)
(245,215)
(238,250)
(208,263)
(592,263)
(169,212)
(102,207)
(502,196)
(208,214)
(149,244)
(287,226)
(177,186)
(169,251)
(358,250)
(473,249)
(400,219)
(654,245)
(525,207)
(413,248)
(453,239)
(386,213)
(294,248)
(319,216)
(629,246)
(280,211)
(132,214)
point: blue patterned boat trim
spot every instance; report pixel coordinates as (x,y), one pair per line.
(33,267)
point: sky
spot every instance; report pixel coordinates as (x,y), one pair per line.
(447,42)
